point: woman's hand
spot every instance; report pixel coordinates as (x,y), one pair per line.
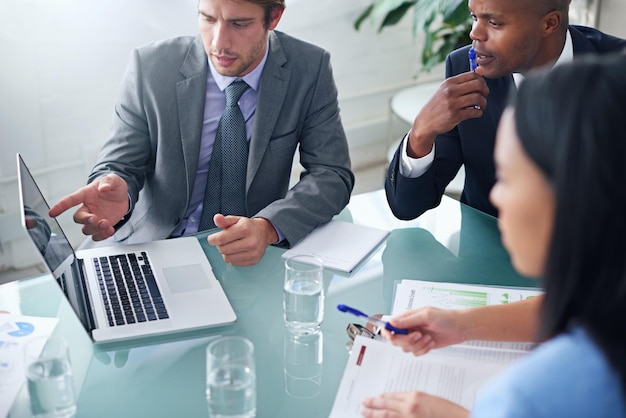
(411,405)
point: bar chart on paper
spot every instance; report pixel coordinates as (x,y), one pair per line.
(455,373)
(454,297)
(412,294)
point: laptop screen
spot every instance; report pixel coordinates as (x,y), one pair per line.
(51,242)
(43,230)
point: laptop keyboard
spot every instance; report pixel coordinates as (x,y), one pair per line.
(128,289)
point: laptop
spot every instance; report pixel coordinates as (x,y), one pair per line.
(125,292)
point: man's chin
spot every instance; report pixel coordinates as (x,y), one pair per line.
(226,72)
(493,71)
(492,74)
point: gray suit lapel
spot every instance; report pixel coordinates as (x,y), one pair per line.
(271,95)
(190,98)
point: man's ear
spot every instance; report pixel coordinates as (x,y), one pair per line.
(277,13)
(551,22)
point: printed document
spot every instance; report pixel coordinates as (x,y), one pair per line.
(376,367)
(15,332)
(340,245)
(455,373)
(412,294)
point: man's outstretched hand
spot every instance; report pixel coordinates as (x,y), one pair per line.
(103,203)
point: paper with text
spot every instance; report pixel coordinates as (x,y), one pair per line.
(455,373)
(412,294)
(376,367)
(15,332)
(340,245)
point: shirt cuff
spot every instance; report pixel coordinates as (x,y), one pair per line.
(281,237)
(130,206)
(414,167)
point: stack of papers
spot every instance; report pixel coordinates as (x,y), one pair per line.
(376,367)
(455,373)
(340,245)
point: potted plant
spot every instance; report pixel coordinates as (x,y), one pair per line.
(445,24)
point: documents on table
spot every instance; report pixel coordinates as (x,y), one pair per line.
(15,332)
(455,373)
(340,245)
(376,367)
(412,294)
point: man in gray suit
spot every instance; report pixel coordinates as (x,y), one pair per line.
(150,179)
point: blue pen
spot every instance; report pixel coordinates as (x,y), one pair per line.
(472,59)
(372,319)
(473,65)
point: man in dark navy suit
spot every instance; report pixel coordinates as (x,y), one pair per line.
(458,125)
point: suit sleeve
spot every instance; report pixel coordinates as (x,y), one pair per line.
(326,183)
(127,152)
(409,197)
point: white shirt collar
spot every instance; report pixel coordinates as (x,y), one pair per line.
(567,56)
(253,78)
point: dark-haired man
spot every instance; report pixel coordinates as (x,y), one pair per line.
(458,125)
(156,175)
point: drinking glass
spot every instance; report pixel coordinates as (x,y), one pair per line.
(303,362)
(231,378)
(303,295)
(50,379)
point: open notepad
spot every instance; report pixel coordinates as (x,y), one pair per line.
(340,245)
(455,373)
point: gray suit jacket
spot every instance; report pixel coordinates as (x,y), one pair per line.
(155,139)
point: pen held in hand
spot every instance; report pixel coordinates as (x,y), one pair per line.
(472,65)
(472,59)
(372,319)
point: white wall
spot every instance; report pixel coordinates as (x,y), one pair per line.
(62,62)
(611,17)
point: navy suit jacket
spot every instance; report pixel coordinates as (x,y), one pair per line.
(472,141)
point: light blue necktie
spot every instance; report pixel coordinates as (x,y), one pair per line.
(226,181)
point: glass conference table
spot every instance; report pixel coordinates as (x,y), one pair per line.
(165,376)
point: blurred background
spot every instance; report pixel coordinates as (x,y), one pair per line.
(63,60)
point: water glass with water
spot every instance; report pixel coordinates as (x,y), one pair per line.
(231,378)
(50,379)
(303,295)
(303,362)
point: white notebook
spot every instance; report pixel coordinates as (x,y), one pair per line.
(340,245)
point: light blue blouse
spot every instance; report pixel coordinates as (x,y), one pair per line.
(567,376)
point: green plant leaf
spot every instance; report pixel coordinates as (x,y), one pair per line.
(449,43)
(428,46)
(426,11)
(445,24)
(363,16)
(455,6)
(458,16)
(396,15)
(383,7)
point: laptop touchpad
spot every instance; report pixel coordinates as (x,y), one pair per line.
(189,278)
